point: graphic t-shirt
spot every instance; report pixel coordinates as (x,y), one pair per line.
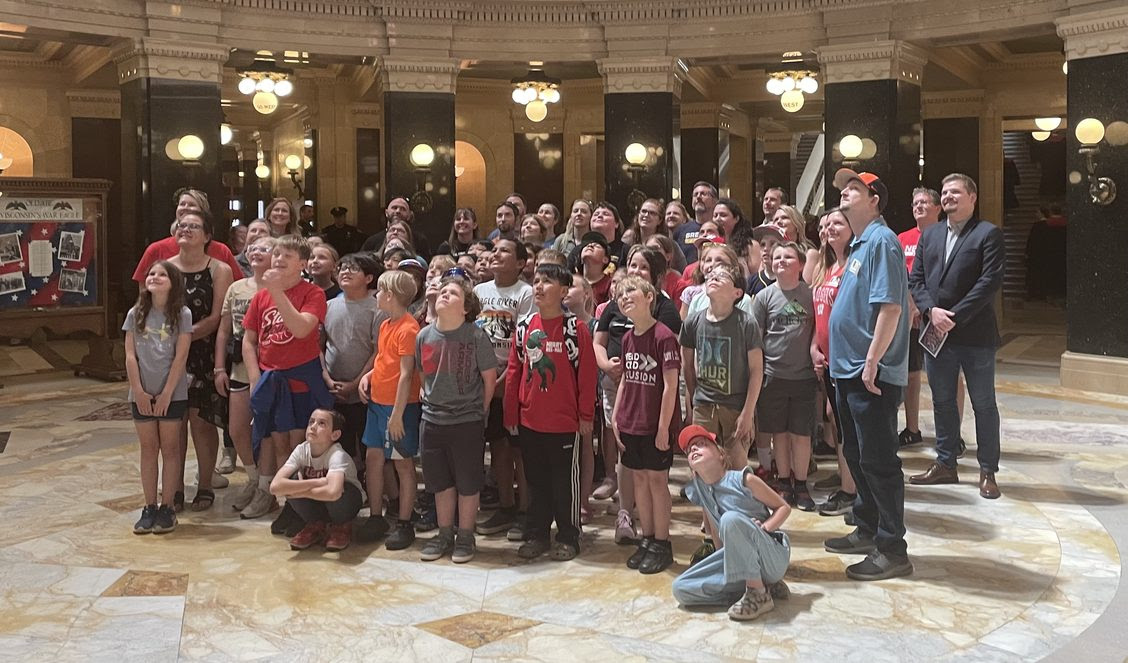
(542,389)
(501,309)
(909,240)
(278,348)
(335,459)
(452,363)
(351,327)
(156,348)
(786,320)
(824,302)
(235,303)
(645,358)
(721,355)
(397,340)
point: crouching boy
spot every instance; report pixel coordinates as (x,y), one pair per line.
(743,516)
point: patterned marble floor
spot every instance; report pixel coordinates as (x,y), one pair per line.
(1036,574)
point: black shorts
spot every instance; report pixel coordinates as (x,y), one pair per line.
(452,456)
(495,424)
(786,406)
(916,351)
(176,412)
(641,453)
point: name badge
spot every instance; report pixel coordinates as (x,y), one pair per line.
(855,265)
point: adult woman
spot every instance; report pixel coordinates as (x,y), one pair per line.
(532,230)
(827,275)
(675,216)
(579,222)
(255,230)
(793,228)
(672,281)
(282,217)
(398,235)
(237,240)
(551,217)
(205,283)
(647,223)
(737,228)
(186,200)
(463,232)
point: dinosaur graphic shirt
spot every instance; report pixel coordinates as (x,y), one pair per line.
(645,358)
(721,355)
(787,321)
(543,391)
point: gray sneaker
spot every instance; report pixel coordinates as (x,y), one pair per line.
(464,549)
(261,504)
(244,496)
(880,566)
(439,546)
(754,603)
(853,543)
(500,521)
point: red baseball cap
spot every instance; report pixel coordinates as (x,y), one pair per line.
(690,432)
(871,181)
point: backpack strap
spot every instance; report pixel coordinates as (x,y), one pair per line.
(519,335)
(572,342)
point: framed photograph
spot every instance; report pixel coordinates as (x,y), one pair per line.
(10,249)
(13,282)
(70,245)
(72,280)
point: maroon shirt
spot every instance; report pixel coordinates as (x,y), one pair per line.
(645,357)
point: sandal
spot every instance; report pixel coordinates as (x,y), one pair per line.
(178,501)
(203,500)
(562,552)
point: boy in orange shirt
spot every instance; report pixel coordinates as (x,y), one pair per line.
(391,390)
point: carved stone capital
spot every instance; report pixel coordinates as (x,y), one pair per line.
(414,75)
(873,61)
(1093,34)
(155,58)
(95,103)
(710,115)
(960,103)
(647,74)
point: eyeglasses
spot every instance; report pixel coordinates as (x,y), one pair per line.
(255,248)
(189,226)
(648,212)
(456,272)
(719,275)
(348,269)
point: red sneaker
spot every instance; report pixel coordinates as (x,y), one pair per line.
(767,476)
(312,533)
(340,536)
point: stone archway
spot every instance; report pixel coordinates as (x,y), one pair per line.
(470,168)
(15,147)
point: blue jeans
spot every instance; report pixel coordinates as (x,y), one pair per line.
(978,364)
(869,444)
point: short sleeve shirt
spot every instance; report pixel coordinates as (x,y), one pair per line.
(909,240)
(156,349)
(278,348)
(645,358)
(335,459)
(721,356)
(351,328)
(786,318)
(397,340)
(452,363)
(235,303)
(874,275)
(501,309)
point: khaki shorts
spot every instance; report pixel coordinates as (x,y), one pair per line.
(720,421)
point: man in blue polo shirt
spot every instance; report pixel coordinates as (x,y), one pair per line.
(869,356)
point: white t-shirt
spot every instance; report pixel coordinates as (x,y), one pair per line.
(501,309)
(335,459)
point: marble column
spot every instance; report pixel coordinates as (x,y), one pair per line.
(419,109)
(706,146)
(1096,46)
(873,91)
(640,105)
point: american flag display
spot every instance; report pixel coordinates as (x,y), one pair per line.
(49,260)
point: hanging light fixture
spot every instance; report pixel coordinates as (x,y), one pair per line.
(264,81)
(535,90)
(1047,123)
(791,84)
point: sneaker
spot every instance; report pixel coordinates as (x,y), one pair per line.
(786,489)
(754,603)
(340,536)
(178,501)
(880,566)
(261,504)
(605,490)
(165,520)
(829,483)
(245,495)
(803,500)
(849,519)
(563,551)
(372,530)
(286,520)
(226,464)
(500,521)
(489,498)
(766,475)
(839,503)
(425,520)
(144,525)
(643,547)
(533,548)
(402,536)
(824,451)
(219,481)
(625,532)
(779,591)
(438,546)
(517,532)
(704,550)
(464,548)
(658,559)
(908,438)
(311,534)
(853,543)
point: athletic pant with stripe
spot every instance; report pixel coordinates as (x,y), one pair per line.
(552,469)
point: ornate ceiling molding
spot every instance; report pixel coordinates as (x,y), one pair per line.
(95,103)
(646,74)
(873,61)
(155,58)
(414,75)
(961,103)
(1094,34)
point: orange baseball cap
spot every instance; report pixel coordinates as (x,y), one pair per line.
(690,432)
(871,181)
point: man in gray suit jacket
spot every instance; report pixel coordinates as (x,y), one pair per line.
(957,273)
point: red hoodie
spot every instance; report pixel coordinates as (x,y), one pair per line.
(542,393)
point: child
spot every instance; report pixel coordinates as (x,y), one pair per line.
(550,395)
(644,417)
(391,390)
(768,237)
(595,261)
(459,371)
(322,268)
(724,365)
(744,516)
(579,302)
(158,331)
(533,250)
(784,312)
(282,354)
(326,493)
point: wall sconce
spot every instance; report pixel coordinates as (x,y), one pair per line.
(187,149)
(636,154)
(293,164)
(851,148)
(1090,132)
(225,134)
(421,157)
(1047,123)
(262,171)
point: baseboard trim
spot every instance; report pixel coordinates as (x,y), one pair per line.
(1094,373)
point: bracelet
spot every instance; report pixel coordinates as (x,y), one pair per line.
(217,371)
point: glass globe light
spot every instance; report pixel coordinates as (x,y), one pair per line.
(283,88)
(1089,131)
(247,85)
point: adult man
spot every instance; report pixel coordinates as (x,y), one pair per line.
(307,224)
(704,199)
(956,275)
(519,210)
(341,236)
(926,212)
(869,364)
(773,198)
(506,217)
(399,209)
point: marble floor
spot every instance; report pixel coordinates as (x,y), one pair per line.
(1034,575)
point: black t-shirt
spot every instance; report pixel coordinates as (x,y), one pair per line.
(459,249)
(345,239)
(616,324)
(758,282)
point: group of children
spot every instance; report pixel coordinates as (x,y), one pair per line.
(338,389)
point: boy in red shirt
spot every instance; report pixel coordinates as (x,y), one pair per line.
(550,402)
(282,354)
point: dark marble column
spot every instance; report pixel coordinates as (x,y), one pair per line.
(873,92)
(701,156)
(538,170)
(951,145)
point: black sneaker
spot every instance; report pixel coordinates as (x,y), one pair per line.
(853,543)
(803,500)
(165,520)
(144,525)
(659,558)
(286,520)
(787,490)
(425,520)
(643,548)
(489,498)
(880,566)
(849,519)
(908,438)
(829,483)
(533,549)
(500,521)
(824,451)
(402,536)
(372,530)
(517,531)
(839,503)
